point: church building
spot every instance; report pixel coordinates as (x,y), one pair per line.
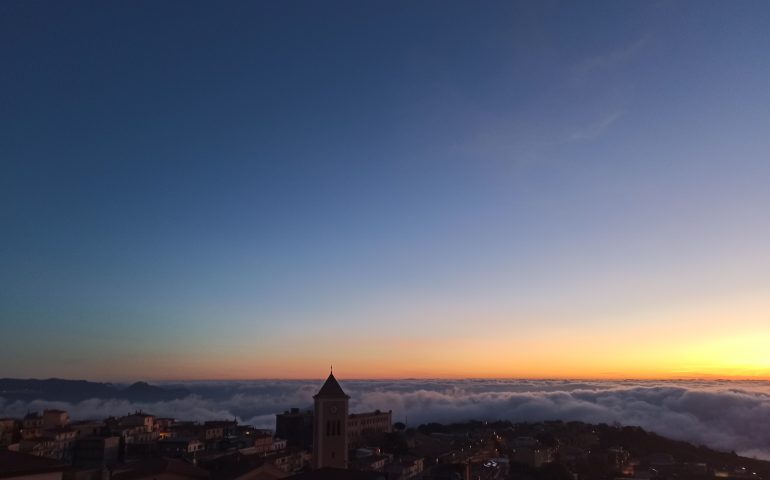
(330,426)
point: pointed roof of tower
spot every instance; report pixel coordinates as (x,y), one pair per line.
(331,389)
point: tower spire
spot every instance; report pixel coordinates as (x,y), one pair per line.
(330,422)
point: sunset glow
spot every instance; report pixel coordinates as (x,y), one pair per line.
(423,190)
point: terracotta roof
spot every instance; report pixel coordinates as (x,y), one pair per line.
(172,440)
(331,389)
(370,414)
(230,467)
(155,466)
(16,464)
(338,474)
(66,429)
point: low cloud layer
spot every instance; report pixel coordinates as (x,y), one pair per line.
(719,414)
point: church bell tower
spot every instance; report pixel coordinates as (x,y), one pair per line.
(330,426)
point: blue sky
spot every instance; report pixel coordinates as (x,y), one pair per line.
(265,184)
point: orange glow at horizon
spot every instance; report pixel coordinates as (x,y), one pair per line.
(672,343)
(730,357)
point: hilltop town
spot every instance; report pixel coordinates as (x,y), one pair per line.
(329,441)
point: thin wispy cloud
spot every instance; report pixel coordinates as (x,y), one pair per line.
(609,59)
(594,129)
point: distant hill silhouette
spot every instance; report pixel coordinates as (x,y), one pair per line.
(79,390)
(144,392)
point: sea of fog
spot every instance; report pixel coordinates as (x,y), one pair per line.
(726,415)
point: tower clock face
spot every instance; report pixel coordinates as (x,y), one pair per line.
(333,409)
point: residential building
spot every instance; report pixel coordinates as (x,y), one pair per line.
(87,428)
(406,468)
(9,429)
(22,466)
(263,443)
(55,443)
(242,467)
(139,419)
(296,427)
(229,427)
(55,419)
(328,473)
(180,447)
(32,426)
(161,469)
(96,452)
(362,426)
(210,435)
(534,457)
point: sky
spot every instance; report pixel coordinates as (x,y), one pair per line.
(191,190)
